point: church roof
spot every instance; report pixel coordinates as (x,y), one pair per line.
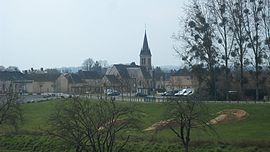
(145,50)
(123,70)
(113,79)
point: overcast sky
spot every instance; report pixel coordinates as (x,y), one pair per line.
(57,33)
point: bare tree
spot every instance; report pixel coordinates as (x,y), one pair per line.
(186,114)
(254,28)
(239,52)
(199,42)
(96,127)
(266,21)
(10,111)
(103,63)
(88,64)
(224,33)
(12,68)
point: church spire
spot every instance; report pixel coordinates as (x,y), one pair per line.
(145,55)
(145,50)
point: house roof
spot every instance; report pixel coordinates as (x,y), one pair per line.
(73,78)
(145,50)
(44,77)
(11,75)
(89,75)
(182,72)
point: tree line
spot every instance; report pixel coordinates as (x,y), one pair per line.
(227,35)
(90,65)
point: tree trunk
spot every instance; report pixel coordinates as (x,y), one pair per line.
(212,82)
(226,63)
(241,72)
(186,148)
(227,80)
(257,81)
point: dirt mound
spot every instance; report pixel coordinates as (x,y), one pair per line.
(225,116)
(160,125)
(229,115)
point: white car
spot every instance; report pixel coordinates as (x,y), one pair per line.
(185,92)
(188,92)
(181,92)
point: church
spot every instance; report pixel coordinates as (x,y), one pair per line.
(132,78)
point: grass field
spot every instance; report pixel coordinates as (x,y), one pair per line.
(250,134)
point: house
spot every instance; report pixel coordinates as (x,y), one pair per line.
(79,83)
(182,79)
(92,81)
(14,80)
(41,82)
(68,83)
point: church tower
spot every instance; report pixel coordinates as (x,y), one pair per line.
(145,55)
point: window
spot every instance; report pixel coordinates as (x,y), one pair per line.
(143,61)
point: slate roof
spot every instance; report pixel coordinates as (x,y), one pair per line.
(145,50)
(182,72)
(89,75)
(44,77)
(73,78)
(11,76)
(122,69)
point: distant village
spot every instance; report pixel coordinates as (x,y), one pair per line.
(125,78)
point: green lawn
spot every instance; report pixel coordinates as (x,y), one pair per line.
(253,131)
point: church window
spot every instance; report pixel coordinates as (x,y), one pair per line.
(143,61)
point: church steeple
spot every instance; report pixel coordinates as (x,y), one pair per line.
(145,54)
(145,50)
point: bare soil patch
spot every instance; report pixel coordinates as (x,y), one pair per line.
(161,125)
(225,116)
(229,115)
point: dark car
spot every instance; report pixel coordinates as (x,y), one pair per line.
(115,93)
(139,94)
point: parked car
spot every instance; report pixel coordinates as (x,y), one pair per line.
(180,93)
(170,93)
(185,92)
(114,93)
(188,92)
(140,94)
(163,94)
